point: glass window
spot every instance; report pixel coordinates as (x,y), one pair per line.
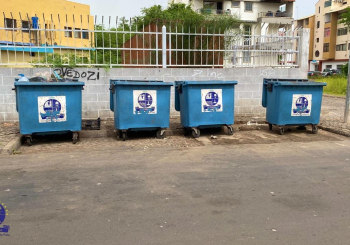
(340,47)
(317,40)
(318,24)
(68,31)
(342,31)
(327,32)
(339,67)
(77,33)
(235,4)
(25,25)
(248,7)
(317,53)
(329,66)
(10,23)
(85,34)
(326,47)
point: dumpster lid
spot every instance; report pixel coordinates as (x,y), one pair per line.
(213,82)
(293,82)
(140,82)
(48,83)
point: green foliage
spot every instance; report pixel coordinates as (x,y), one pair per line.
(59,60)
(336,85)
(345,18)
(345,69)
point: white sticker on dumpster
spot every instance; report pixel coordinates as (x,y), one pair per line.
(52,109)
(212,100)
(145,101)
(301,105)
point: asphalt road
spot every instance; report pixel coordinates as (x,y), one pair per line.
(283,193)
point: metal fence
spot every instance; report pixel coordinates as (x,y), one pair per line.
(86,41)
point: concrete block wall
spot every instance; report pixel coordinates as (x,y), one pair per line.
(96,93)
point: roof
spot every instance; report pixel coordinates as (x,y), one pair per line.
(306,17)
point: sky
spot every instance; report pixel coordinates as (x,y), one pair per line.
(130,8)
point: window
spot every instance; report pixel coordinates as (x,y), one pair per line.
(326,47)
(85,34)
(25,25)
(246,57)
(10,23)
(329,66)
(248,7)
(327,32)
(68,32)
(307,22)
(339,67)
(77,33)
(328,3)
(319,9)
(317,53)
(340,47)
(342,31)
(349,47)
(318,24)
(235,4)
(317,40)
(32,54)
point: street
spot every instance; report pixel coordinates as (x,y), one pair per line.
(289,192)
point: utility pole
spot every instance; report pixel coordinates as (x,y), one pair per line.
(347,103)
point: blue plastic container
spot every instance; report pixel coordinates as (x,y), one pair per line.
(140,105)
(292,102)
(49,108)
(205,104)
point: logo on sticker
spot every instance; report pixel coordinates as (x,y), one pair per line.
(301,105)
(52,109)
(211,100)
(4,229)
(145,102)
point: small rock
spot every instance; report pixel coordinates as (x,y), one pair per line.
(273,229)
(213,137)
(98,183)
(7,190)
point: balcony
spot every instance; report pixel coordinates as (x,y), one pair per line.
(278,17)
(214,11)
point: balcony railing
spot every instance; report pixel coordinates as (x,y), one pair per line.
(214,11)
(275,14)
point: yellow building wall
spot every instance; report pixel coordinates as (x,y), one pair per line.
(52,14)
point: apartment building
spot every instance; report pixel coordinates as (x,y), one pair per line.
(270,15)
(33,28)
(331,41)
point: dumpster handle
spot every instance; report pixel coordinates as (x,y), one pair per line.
(179,88)
(112,88)
(269,87)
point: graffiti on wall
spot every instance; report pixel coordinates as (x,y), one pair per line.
(74,74)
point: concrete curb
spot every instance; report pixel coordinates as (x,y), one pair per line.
(334,130)
(12,146)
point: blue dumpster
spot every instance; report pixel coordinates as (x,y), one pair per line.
(205,104)
(49,108)
(292,102)
(140,105)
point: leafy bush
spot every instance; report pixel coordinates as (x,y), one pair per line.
(336,85)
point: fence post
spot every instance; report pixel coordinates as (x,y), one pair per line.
(164,45)
(304,39)
(347,102)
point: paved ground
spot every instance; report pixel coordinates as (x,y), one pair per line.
(64,144)
(8,131)
(296,192)
(332,116)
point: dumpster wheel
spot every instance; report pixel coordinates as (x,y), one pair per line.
(230,130)
(196,132)
(160,134)
(75,137)
(270,126)
(281,130)
(124,135)
(314,129)
(29,140)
